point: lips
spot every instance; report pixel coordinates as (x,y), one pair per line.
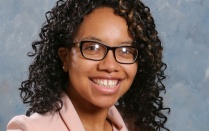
(105,82)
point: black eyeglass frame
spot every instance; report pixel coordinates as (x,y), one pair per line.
(80,44)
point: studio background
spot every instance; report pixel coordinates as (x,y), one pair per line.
(183,27)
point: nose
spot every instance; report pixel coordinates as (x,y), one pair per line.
(109,64)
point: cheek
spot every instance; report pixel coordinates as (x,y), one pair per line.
(131,71)
(76,62)
(79,66)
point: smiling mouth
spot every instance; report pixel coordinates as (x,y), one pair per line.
(106,83)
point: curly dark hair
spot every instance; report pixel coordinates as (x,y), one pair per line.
(142,103)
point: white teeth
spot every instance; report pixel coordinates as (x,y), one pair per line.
(105,82)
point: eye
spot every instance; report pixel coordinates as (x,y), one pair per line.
(126,50)
(92,48)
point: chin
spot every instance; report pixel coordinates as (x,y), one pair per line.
(105,103)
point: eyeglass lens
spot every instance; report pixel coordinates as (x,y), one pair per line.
(97,51)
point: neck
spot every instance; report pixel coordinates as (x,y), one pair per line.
(93,118)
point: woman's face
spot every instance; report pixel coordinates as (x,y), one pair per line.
(99,83)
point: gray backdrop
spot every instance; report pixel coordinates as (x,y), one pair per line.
(183,26)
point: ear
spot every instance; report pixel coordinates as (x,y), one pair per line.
(64,57)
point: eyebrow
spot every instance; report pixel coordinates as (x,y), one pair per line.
(92,38)
(129,42)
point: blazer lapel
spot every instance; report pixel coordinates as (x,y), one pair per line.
(70,116)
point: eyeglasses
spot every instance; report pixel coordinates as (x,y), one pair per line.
(96,51)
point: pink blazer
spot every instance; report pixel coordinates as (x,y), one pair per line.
(66,118)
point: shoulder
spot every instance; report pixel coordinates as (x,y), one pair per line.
(19,123)
(35,122)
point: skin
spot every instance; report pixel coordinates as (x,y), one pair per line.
(91,100)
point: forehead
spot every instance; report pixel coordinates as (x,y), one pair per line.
(103,23)
(104,16)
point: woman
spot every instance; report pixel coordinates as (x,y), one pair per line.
(94,59)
